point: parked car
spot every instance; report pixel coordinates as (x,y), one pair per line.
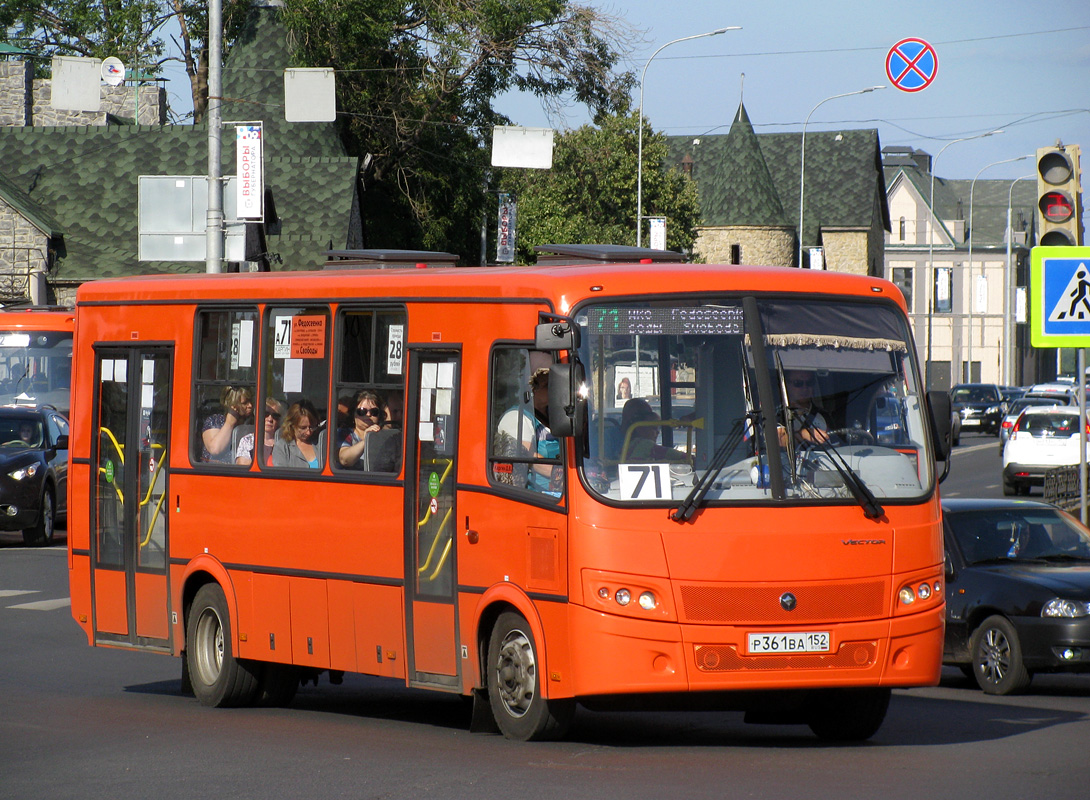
(980,405)
(1017,591)
(1015,407)
(33,471)
(1040,439)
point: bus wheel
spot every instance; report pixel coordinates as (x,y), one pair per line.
(218,678)
(514,688)
(847,715)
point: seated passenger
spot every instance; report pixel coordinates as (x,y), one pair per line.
(244,454)
(294,448)
(367,419)
(641,445)
(238,406)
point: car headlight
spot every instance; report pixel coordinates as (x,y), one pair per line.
(28,471)
(992,410)
(1059,607)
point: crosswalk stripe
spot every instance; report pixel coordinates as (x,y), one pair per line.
(45,605)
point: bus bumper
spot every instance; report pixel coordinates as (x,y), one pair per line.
(638,656)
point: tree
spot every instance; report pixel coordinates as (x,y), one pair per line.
(589,195)
(416,83)
(131,30)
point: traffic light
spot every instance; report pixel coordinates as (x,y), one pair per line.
(1059,212)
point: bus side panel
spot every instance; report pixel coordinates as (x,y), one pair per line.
(79,589)
(366,629)
(269,631)
(309,622)
(151,608)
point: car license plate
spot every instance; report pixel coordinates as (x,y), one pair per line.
(809,642)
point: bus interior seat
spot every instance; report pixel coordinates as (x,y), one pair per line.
(236,436)
(382,451)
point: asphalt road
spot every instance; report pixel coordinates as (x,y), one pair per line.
(82,722)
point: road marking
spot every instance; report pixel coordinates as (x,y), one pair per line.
(974,447)
(16,592)
(45,605)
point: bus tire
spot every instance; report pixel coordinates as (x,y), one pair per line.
(514,685)
(218,678)
(42,532)
(278,685)
(847,715)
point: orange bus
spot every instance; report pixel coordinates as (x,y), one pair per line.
(538,487)
(36,355)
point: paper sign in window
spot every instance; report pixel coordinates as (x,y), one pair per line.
(308,336)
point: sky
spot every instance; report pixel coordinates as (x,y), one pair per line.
(1019,67)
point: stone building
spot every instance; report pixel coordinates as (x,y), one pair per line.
(748,185)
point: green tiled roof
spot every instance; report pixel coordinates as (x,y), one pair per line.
(22,203)
(845,186)
(85,178)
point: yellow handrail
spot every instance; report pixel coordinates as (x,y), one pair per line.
(435,541)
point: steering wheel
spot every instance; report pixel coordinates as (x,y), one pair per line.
(852,436)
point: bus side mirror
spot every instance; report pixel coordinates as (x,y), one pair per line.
(939,409)
(554,336)
(567,403)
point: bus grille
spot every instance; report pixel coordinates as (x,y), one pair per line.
(725,658)
(760,605)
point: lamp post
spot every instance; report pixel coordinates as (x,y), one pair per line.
(213,233)
(931,246)
(1008,291)
(972,226)
(639,153)
(802,155)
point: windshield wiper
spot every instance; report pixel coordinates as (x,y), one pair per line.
(689,505)
(872,509)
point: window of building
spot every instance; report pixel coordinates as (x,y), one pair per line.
(943,302)
(736,254)
(902,229)
(902,278)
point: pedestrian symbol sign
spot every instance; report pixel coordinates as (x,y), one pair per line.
(1060,297)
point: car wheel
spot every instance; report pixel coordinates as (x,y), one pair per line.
(997,658)
(217,677)
(42,533)
(515,692)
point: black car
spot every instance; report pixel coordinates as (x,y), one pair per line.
(981,406)
(33,471)
(1017,591)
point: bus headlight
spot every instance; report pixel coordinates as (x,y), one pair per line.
(907,595)
(648,601)
(623,597)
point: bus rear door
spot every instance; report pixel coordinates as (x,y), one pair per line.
(129,496)
(431,519)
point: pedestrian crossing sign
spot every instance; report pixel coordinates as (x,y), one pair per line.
(1059,291)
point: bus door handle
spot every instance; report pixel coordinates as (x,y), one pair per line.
(471,534)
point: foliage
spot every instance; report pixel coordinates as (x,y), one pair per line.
(589,196)
(131,30)
(416,83)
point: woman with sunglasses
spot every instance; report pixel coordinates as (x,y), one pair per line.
(294,447)
(368,418)
(808,422)
(244,455)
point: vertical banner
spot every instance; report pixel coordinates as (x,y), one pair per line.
(658,232)
(249,191)
(505,234)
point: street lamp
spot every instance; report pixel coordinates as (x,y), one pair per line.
(972,226)
(802,157)
(639,154)
(1008,290)
(931,245)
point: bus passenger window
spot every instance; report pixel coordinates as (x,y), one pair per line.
(223,394)
(297,371)
(523,453)
(370,381)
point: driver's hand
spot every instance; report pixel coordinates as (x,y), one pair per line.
(813,435)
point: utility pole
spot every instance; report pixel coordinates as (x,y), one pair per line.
(214,219)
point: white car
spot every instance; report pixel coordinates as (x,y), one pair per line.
(1041,438)
(1015,409)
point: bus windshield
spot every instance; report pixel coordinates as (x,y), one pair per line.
(723,394)
(36,367)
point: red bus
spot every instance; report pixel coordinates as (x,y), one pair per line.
(538,487)
(36,355)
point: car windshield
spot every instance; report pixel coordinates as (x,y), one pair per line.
(683,399)
(975,394)
(1001,534)
(20,432)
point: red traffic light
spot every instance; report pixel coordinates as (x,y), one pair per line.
(1056,206)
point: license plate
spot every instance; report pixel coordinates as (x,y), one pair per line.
(810,642)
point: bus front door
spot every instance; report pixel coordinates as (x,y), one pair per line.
(430,518)
(131,416)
